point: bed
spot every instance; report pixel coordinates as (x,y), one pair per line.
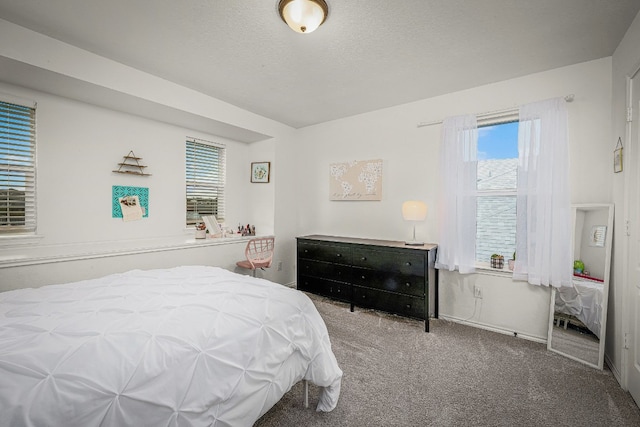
(583,300)
(191,345)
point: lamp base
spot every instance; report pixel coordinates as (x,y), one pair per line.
(414,243)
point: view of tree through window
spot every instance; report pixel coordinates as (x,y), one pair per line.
(496,180)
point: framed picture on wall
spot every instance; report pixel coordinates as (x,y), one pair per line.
(260,172)
(617,160)
(617,157)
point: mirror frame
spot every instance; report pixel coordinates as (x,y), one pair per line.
(605,284)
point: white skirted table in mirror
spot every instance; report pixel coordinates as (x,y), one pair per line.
(578,313)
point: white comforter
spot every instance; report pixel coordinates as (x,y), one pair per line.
(584,301)
(186,346)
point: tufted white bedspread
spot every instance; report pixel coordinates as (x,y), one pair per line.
(189,346)
(584,301)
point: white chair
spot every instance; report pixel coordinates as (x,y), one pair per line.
(258,253)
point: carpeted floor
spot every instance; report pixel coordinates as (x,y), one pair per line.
(395,374)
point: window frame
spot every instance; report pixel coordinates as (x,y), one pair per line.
(12,133)
(210,177)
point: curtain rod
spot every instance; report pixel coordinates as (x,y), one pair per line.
(568,98)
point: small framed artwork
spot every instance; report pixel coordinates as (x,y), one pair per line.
(597,236)
(617,157)
(260,172)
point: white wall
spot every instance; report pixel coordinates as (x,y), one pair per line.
(593,257)
(78,147)
(410,171)
(287,201)
(626,60)
(79,144)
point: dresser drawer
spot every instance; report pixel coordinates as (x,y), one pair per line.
(387,281)
(325,270)
(327,288)
(324,252)
(402,262)
(390,302)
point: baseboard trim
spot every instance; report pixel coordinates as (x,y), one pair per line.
(613,368)
(479,325)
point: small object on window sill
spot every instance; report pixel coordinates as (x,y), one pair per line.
(497,261)
(201,231)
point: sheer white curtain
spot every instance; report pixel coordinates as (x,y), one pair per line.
(458,188)
(543,227)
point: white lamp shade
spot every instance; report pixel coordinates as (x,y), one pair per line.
(303,16)
(414,210)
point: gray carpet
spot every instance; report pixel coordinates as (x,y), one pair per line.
(395,374)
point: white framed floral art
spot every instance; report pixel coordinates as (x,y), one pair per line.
(260,172)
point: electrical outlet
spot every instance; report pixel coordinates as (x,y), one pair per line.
(279,265)
(477,292)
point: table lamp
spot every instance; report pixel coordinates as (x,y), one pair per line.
(414,210)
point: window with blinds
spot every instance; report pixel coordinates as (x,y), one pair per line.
(205,180)
(17,168)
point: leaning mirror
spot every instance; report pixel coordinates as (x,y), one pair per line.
(578,314)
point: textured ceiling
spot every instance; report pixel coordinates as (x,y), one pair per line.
(368,55)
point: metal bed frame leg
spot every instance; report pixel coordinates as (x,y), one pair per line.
(306,393)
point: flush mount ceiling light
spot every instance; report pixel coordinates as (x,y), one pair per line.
(303,16)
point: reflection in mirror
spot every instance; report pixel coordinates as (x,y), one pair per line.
(577,322)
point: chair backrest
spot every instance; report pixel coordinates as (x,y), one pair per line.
(259,251)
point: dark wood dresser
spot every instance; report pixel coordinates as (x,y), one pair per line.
(380,274)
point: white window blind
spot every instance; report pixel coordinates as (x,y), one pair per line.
(17,168)
(205,180)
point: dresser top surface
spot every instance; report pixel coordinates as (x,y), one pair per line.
(370,242)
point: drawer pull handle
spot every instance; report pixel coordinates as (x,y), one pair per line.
(364,296)
(363,277)
(408,264)
(306,251)
(338,255)
(408,284)
(408,305)
(364,258)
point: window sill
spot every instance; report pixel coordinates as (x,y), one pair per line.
(33,255)
(482,268)
(12,240)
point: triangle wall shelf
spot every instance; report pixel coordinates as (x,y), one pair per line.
(131,165)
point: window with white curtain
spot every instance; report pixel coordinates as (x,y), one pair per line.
(543,222)
(17,168)
(205,180)
(496,184)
